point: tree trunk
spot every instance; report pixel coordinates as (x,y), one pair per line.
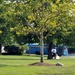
(41,47)
(49,51)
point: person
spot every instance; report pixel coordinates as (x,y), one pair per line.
(54,52)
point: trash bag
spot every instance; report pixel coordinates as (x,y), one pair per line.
(57,57)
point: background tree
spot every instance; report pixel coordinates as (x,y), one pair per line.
(6,22)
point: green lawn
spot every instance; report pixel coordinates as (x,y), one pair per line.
(18,65)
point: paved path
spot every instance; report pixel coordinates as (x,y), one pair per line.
(71,55)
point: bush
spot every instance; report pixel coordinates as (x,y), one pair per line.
(24,47)
(71,50)
(37,52)
(13,50)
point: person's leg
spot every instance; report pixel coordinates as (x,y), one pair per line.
(54,55)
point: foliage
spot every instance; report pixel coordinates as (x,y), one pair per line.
(6,22)
(35,16)
(31,17)
(70,38)
(24,47)
(13,50)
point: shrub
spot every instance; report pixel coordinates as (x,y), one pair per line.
(37,52)
(71,50)
(24,47)
(13,50)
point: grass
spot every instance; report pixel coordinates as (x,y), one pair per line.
(18,65)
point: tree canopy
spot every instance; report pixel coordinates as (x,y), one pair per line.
(53,18)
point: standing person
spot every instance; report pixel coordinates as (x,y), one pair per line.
(53,51)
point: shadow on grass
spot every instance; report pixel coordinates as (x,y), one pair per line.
(17,59)
(54,74)
(3,65)
(6,65)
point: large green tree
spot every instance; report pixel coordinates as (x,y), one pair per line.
(6,23)
(42,18)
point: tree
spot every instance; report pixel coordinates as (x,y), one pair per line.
(69,40)
(6,23)
(44,18)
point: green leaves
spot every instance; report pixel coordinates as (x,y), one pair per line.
(34,16)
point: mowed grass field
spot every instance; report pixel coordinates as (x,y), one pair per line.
(19,65)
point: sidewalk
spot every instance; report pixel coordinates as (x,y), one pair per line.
(73,54)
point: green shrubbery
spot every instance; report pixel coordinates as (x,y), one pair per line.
(71,50)
(15,49)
